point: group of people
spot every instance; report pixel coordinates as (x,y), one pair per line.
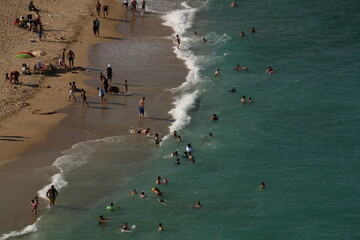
(105,9)
(28,23)
(133,6)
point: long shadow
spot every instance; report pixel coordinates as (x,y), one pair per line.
(118,20)
(94,69)
(67,42)
(11,140)
(119,104)
(14,137)
(113,38)
(29,85)
(105,108)
(161,119)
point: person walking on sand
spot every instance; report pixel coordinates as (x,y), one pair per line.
(98,8)
(71,92)
(95,30)
(62,55)
(52,193)
(142,107)
(83,98)
(71,56)
(126,5)
(133,5)
(125,84)
(97,24)
(109,72)
(101,95)
(106,10)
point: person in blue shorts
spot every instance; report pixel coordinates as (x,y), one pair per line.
(142,107)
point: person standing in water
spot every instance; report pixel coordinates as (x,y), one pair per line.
(52,193)
(160,227)
(177,41)
(125,84)
(142,107)
(143,4)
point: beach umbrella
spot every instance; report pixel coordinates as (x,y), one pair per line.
(24,55)
(39,53)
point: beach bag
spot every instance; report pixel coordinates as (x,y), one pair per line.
(114,89)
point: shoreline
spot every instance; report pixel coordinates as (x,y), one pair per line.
(62,122)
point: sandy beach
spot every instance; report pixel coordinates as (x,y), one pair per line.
(25,135)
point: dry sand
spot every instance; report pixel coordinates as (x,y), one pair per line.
(67,24)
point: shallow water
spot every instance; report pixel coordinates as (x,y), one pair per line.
(300,136)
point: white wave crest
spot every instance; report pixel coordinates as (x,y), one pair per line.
(24,231)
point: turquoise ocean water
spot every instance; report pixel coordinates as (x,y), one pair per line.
(300,136)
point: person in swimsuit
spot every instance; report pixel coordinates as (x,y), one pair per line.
(243,99)
(126,5)
(233,4)
(83,98)
(233,89)
(214,117)
(239,68)
(158,180)
(242,34)
(52,193)
(262,186)
(253,30)
(250,100)
(269,70)
(71,92)
(125,84)
(177,41)
(198,204)
(142,107)
(109,72)
(143,195)
(143,3)
(160,228)
(177,162)
(103,220)
(101,95)
(98,8)
(133,192)
(124,227)
(71,56)
(217,72)
(106,10)
(34,205)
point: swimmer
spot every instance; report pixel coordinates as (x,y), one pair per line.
(162,202)
(142,195)
(178,139)
(174,134)
(103,220)
(198,204)
(158,180)
(157,139)
(253,30)
(188,148)
(195,33)
(243,99)
(190,156)
(133,192)
(269,70)
(250,100)
(206,139)
(111,207)
(217,72)
(124,227)
(165,181)
(204,40)
(160,227)
(239,68)
(210,135)
(233,4)
(214,117)
(233,89)
(175,154)
(242,34)
(177,162)
(156,191)
(262,186)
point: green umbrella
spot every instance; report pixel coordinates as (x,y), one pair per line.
(23,55)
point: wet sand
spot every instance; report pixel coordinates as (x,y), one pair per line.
(150,66)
